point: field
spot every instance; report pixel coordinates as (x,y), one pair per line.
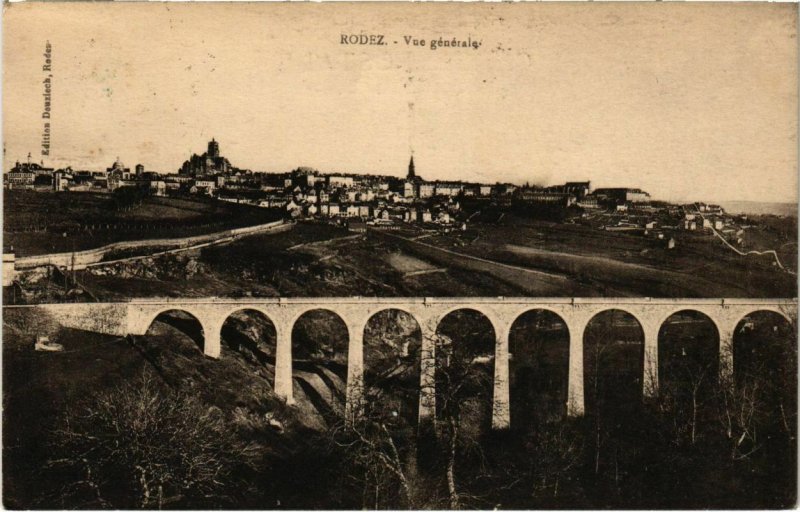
(314,259)
(514,257)
(622,264)
(308,260)
(44,222)
(408,264)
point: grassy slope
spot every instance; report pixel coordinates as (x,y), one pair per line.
(295,263)
(563,260)
(53,214)
(623,264)
(318,260)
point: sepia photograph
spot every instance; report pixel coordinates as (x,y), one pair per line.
(399,255)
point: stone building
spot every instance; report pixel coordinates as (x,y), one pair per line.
(210,162)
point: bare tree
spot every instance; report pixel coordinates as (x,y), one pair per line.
(556,452)
(461,381)
(682,398)
(143,446)
(371,446)
(740,415)
(383,448)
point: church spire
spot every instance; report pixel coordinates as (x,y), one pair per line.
(411,172)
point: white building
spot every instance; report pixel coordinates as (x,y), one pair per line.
(336,180)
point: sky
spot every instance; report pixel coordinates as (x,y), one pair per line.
(686,101)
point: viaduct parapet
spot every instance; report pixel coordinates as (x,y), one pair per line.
(135,317)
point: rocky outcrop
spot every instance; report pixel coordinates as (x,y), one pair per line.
(169,267)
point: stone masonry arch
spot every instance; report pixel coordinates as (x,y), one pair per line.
(135,316)
(227,314)
(203,325)
(559,315)
(354,350)
(368,317)
(501,418)
(777,311)
(696,358)
(644,328)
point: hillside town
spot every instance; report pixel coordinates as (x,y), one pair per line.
(360,200)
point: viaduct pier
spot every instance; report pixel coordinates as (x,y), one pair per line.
(135,316)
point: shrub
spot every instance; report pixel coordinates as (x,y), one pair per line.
(144,446)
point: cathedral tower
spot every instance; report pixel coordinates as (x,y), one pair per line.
(213,148)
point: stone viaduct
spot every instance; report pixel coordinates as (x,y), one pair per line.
(136,316)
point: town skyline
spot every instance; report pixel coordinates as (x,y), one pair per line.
(378,173)
(547,98)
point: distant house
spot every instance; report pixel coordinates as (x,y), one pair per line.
(205,185)
(448,189)
(336,180)
(292,205)
(623,195)
(426,190)
(62,181)
(158,188)
(19,179)
(588,202)
(411,216)
(545,196)
(365,196)
(708,208)
(504,189)
(579,189)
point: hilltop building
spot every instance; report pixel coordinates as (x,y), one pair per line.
(622,195)
(118,167)
(579,189)
(546,196)
(27,174)
(117,174)
(32,167)
(210,162)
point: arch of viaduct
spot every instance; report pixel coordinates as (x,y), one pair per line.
(136,316)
